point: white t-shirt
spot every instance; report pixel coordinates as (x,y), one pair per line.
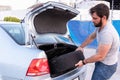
(108,35)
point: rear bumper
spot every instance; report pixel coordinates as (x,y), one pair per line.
(78,72)
(42,77)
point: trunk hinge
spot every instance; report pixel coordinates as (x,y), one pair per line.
(33,41)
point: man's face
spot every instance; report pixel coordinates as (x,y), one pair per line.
(96,20)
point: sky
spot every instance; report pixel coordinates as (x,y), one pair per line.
(24,4)
(19,4)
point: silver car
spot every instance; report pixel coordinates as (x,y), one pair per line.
(24,45)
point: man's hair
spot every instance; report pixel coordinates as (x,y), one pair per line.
(101,10)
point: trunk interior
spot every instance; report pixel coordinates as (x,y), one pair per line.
(60,52)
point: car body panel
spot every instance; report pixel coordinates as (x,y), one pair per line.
(15,56)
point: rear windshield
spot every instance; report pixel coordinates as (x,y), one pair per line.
(16,31)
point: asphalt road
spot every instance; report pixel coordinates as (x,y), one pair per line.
(90,67)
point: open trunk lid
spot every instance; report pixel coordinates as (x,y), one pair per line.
(50,17)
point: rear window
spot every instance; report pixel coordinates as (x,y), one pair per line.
(16,31)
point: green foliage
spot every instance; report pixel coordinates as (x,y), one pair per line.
(11,19)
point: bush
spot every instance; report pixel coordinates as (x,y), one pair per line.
(11,19)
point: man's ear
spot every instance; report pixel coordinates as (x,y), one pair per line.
(104,17)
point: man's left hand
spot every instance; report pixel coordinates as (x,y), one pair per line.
(79,64)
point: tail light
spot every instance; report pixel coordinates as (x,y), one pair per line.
(38,67)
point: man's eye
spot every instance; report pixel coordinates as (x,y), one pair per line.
(94,18)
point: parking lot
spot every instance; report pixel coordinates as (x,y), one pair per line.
(90,67)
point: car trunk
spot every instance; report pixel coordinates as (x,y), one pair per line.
(52,17)
(61,57)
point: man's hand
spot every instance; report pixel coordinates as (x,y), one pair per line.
(79,64)
(80,48)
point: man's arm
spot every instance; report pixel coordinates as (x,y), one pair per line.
(99,56)
(87,41)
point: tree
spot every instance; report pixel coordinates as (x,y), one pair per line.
(11,19)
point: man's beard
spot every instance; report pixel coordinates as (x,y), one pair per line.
(99,24)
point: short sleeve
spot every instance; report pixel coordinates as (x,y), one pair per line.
(106,38)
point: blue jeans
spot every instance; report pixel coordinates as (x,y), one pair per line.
(103,71)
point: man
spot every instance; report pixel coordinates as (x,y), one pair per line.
(108,44)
